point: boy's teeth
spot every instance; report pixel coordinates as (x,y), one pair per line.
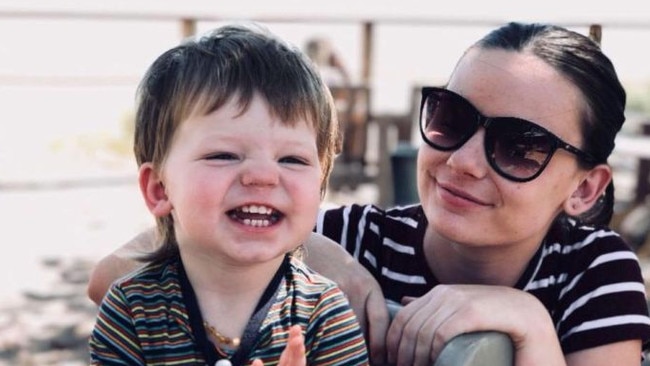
(257,223)
(257,209)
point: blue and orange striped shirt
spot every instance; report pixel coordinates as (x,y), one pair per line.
(144,320)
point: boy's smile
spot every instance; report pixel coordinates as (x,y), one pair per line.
(256,215)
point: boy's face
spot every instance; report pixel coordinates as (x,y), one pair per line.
(244,188)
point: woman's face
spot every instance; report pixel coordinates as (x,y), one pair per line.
(464,199)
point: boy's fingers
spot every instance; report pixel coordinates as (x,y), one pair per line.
(294,353)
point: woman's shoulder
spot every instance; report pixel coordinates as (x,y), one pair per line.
(573,235)
(580,247)
(372,212)
(583,270)
(357,225)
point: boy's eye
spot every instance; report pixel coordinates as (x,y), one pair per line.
(293,160)
(221,156)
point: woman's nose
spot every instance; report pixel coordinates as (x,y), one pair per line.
(470,158)
(260,173)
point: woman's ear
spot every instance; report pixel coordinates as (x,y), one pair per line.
(589,190)
(153,191)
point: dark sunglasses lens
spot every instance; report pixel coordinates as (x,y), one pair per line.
(517,148)
(446,121)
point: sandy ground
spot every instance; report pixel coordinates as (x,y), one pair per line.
(55,227)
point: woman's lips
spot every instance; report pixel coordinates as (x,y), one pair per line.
(456,195)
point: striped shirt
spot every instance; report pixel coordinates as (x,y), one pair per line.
(144,320)
(587,278)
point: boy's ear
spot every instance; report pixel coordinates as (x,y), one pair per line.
(153,191)
(593,186)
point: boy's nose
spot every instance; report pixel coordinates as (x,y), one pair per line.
(260,173)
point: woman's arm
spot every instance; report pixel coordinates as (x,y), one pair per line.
(119,263)
(422,328)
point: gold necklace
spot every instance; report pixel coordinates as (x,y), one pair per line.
(220,338)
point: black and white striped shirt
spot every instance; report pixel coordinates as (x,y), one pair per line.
(588,278)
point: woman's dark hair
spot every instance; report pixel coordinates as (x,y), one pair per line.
(581,61)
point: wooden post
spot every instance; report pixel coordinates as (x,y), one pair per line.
(366,57)
(188,27)
(596,32)
(384,177)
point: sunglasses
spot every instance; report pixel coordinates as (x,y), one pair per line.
(515,148)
